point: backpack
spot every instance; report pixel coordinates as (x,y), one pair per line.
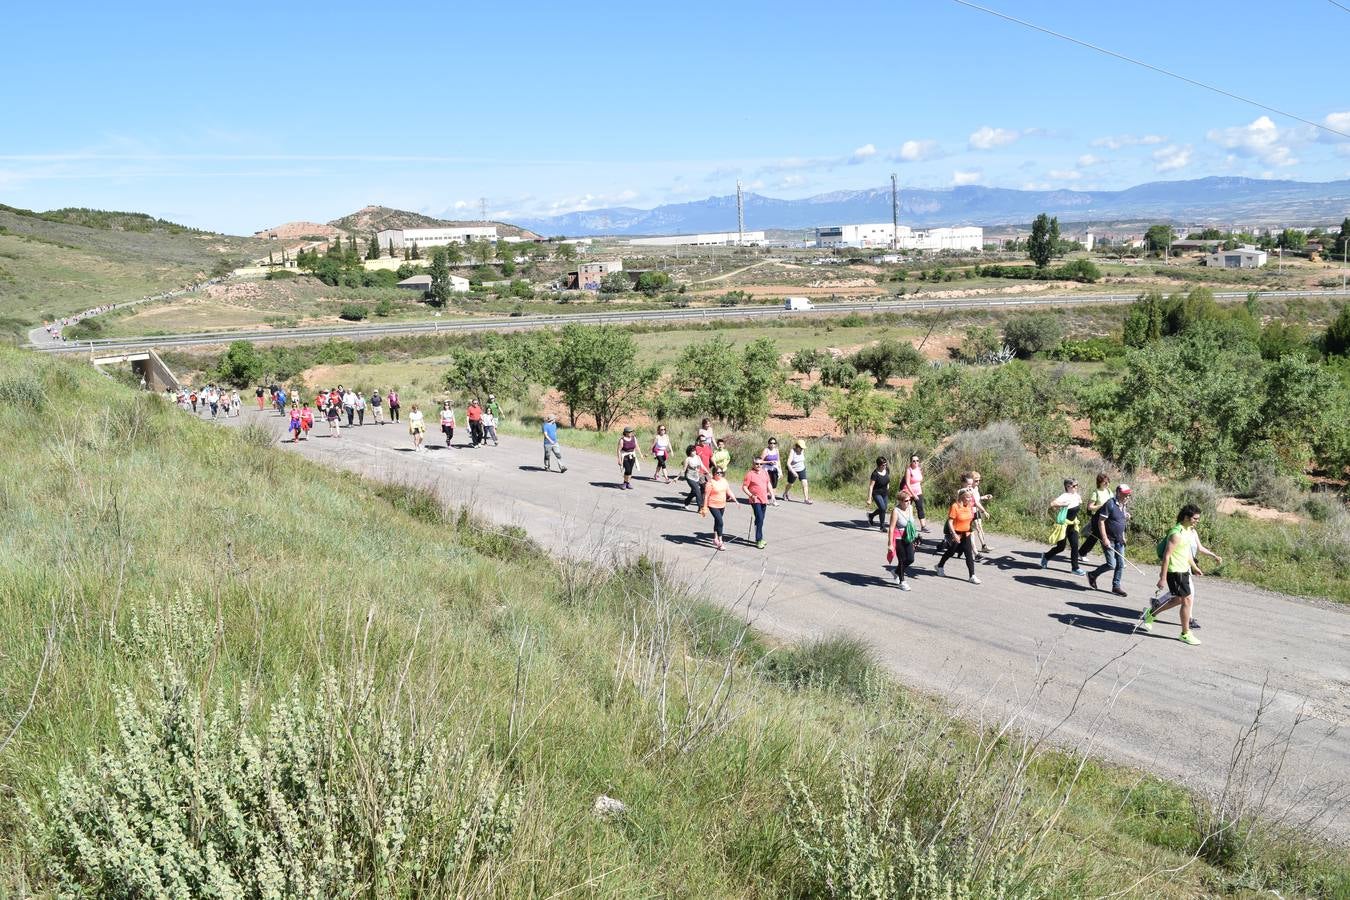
(1162,544)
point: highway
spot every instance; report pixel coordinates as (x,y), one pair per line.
(702,314)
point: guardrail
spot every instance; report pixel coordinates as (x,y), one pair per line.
(597,318)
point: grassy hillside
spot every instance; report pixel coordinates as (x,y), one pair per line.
(303,683)
(65,261)
(377,218)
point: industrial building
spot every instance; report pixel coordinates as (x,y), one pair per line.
(1241,258)
(715,239)
(906,238)
(434,237)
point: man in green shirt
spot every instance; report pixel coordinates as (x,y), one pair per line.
(1178,564)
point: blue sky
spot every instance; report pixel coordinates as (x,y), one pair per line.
(237,116)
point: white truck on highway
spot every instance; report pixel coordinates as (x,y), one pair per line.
(794,303)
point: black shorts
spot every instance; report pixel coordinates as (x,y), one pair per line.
(794,477)
(628,461)
(773,478)
(448,430)
(1179,584)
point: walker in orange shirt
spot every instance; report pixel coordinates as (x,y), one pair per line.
(716,495)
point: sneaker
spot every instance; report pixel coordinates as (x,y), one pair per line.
(807,502)
(904,585)
(1147,624)
(1118,592)
(562,469)
(759,545)
(974,579)
(1194,623)
(1092,581)
(942,573)
(1045,563)
(1078,571)
(1187,638)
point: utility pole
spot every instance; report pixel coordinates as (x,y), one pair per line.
(895,214)
(740,216)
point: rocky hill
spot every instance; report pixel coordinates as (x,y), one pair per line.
(291,231)
(377,218)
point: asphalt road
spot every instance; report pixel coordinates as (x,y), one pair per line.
(913,304)
(1038,645)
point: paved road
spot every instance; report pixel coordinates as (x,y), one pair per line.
(1023,640)
(40,338)
(912,304)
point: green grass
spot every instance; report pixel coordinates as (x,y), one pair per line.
(70,260)
(133,535)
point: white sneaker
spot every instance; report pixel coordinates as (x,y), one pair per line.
(904,585)
(942,573)
(974,579)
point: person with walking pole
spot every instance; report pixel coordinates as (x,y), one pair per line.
(1109,526)
(757,492)
(1064,532)
(1178,565)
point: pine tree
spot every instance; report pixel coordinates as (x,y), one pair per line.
(373,248)
(407,253)
(1039,247)
(415,254)
(1054,235)
(391,249)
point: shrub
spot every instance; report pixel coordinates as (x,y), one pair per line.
(256,435)
(835,663)
(1030,334)
(384,308)
(353,312)
(1083,270)
(887,359)
(863,409)
(280,275)
(806,360)
(837,372)
(1154,507)
(1093,349)
(327,800)
(21,389)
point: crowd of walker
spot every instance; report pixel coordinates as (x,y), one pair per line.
(771,478)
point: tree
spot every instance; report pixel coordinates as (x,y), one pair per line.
(506,365)
(1293,239)
(1336,340)
(1030,334)
(391,249)
(805,361)
(1084,270)
(1055,241)
(1159,238)
(805,399)
(596,373)
(732,387)
(887,359)
(652,282)
(948,399)
(415,253)
(862,409)
(1144,319)
(615,283)
(1343,237)
(453,254)
(1039,247)
(241,365)
(980,346)
(566,252)
(373,247)
(441,289)
(482,251)
(837,372)
(353,312)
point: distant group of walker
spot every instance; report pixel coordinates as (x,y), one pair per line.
(706,461)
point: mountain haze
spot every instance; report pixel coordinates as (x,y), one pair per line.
(1221,200)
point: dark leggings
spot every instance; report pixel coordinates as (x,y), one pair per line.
(660,465)
(1070,539)
(879,498)
(393,413)
(1088,543)
(904,556)
(773,478)
(629,460)
(962,546)
(717,513)
(695,491)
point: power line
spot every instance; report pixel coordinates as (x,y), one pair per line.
(1158,69)
(1339,6)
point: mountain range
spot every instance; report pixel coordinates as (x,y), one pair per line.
(1216,200)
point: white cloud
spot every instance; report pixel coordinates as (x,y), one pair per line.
(1087,160)
(1171,158)
(1340,121)
(917,151)
(862,154)
(1064,175)
(1115,142)
(969,176)
(987,138)
(1261,140)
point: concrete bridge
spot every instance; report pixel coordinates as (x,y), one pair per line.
(146,363)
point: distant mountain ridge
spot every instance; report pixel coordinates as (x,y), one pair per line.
(1216,199)
(379,218)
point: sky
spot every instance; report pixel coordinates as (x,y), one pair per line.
(239,116)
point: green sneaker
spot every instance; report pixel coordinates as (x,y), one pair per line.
(1188,638)
(759,544)
(1147,624)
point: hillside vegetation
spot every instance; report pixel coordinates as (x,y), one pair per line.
(68,260)
(378,218)
(227,671)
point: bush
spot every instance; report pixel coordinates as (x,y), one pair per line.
(863,409)
(1030,334)
(887,359)
(280,275)
(1083,270)
(1153,509)
(1093,349)
(838,663)
(837,372)
(23,390)
(384,308)
(353,312)
(327,800)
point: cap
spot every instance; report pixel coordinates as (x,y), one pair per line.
(1123,489)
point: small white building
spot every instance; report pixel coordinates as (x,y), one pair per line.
(882,234)
(399,238)
(458,284)
(714,239)
(1240,258)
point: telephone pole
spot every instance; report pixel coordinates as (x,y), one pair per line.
(895,214)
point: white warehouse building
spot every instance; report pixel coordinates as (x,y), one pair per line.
(715,239)
(906,238)
(435,237)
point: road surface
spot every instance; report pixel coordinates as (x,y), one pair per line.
(674,316)
(1025,641)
